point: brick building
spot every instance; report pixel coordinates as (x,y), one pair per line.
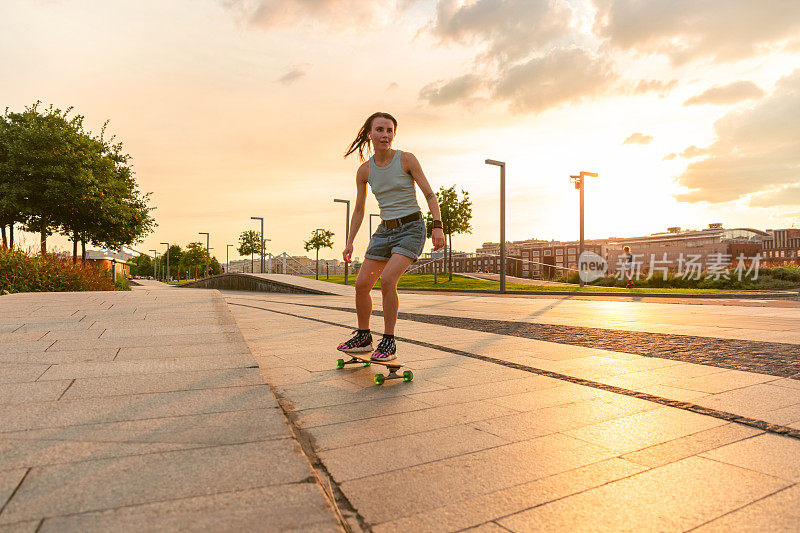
(782,245)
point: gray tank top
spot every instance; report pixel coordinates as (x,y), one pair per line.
(393,188)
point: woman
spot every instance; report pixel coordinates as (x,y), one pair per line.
(400,236)
(628,266)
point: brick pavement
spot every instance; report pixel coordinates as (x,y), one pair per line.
(143,410)
(474,443)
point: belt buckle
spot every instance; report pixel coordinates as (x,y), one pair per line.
(391,224)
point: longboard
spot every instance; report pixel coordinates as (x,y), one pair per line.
(392,366)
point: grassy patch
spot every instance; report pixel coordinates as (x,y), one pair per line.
(425,281)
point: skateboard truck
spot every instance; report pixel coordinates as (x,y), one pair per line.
(379,379)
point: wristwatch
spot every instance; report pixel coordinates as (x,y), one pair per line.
(437,224)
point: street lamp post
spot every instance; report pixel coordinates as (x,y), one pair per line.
(579,182)
(155,258)
(167,278)
(502,166)
(370,222)
(208,242)
(228,258)
(262,241)
(346,231)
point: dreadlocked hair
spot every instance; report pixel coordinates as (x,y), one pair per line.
(362,139)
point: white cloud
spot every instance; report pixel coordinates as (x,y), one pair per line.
(638,138)
(447,92)
(563,75)
(686,30)
(512,29)
(267,14)
(294,74)
(757,149)
(789,195)
(731,93)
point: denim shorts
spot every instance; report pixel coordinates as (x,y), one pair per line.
(407,239)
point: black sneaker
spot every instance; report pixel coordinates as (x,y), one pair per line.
(386,350)
(360,343)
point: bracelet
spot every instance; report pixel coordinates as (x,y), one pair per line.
(437,224)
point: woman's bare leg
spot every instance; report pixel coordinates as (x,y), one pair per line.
(395,267)
(367,276)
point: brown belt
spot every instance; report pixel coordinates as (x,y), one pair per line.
(395,222)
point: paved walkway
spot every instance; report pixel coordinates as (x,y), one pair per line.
(143,411)
(500,431)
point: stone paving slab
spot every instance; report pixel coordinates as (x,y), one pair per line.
(700,384)
(567,449)
(778,512)
(674,497)
(143,410)
(284,508)
(162,382)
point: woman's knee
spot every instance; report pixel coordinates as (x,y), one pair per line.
(363,286)
(388,285)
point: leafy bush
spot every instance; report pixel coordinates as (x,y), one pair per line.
(122,284)
(20,272)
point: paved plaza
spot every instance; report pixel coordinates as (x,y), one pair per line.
(169,408)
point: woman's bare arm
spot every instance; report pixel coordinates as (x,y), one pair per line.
(362,175)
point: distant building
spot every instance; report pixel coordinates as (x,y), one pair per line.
(106,259)
(668,249)
(782,245)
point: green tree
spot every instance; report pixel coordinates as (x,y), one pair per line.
(456,218)
(249,244)
(56,176)
(43,152)
(141,265)
(193,258)
(320,238)
(214,266)
(175,256)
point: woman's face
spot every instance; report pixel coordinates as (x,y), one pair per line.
(382,133)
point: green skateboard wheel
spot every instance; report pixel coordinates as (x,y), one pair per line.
(340,363)
(379,379)
(408,375)
(367,363)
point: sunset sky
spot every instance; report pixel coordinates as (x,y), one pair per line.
(689,110)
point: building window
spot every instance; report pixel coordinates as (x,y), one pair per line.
(548,252)
(572,251)
(536,253)
(559,252)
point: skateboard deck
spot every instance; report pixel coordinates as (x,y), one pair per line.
(392,366)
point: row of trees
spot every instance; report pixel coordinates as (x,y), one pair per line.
(58,177)
(187,263)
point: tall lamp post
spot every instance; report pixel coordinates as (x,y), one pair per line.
(346,231)
(262,241)
(167,277)
(370,222)
(579,182)
(208,242)
(502,166)
(155,258)
(228,258)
